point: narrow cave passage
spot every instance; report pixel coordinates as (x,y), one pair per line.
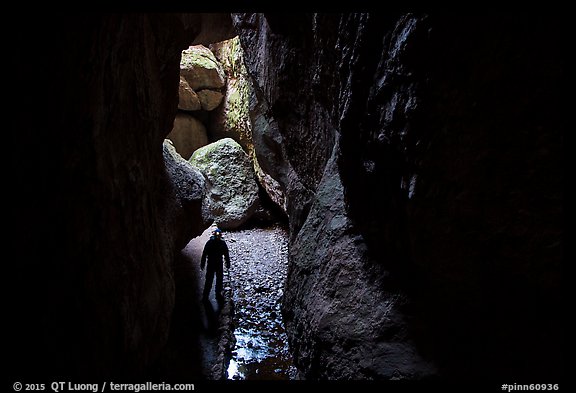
(212,159)
(242,338)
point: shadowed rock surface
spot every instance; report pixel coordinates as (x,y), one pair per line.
(432,245)
(94,280)
(188,134)
(190,187)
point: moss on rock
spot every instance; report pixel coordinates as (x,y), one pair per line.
(233,191)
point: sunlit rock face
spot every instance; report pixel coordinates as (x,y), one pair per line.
(421,158)
(202,82)
(93,281)
(215,87)
(232,119)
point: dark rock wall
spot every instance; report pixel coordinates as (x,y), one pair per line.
(93,214)
(431,244)
(293,134)
(462,127)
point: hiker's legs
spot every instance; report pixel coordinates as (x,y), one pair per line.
(208,282)
(219,284)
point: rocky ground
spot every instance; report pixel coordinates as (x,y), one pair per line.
(257,275)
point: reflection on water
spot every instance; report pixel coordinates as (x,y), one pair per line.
(260,355)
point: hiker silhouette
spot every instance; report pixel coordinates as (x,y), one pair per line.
(214,252)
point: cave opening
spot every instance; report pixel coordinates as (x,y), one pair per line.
(212,135)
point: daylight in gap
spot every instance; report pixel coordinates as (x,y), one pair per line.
(212,134)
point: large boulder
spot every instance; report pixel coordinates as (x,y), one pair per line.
(233,191)
(201,69)
(187,135)
(190,187)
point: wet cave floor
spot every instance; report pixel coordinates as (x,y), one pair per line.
(259,259)
(243,338)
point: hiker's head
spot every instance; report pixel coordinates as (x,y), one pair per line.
(217,232)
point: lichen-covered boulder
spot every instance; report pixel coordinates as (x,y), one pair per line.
(232,189)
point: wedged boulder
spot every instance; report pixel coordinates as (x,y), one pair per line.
(190,187)
(232,188)
(209,99)
(187,135)
(271,186)
(201,69)
(187,98)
